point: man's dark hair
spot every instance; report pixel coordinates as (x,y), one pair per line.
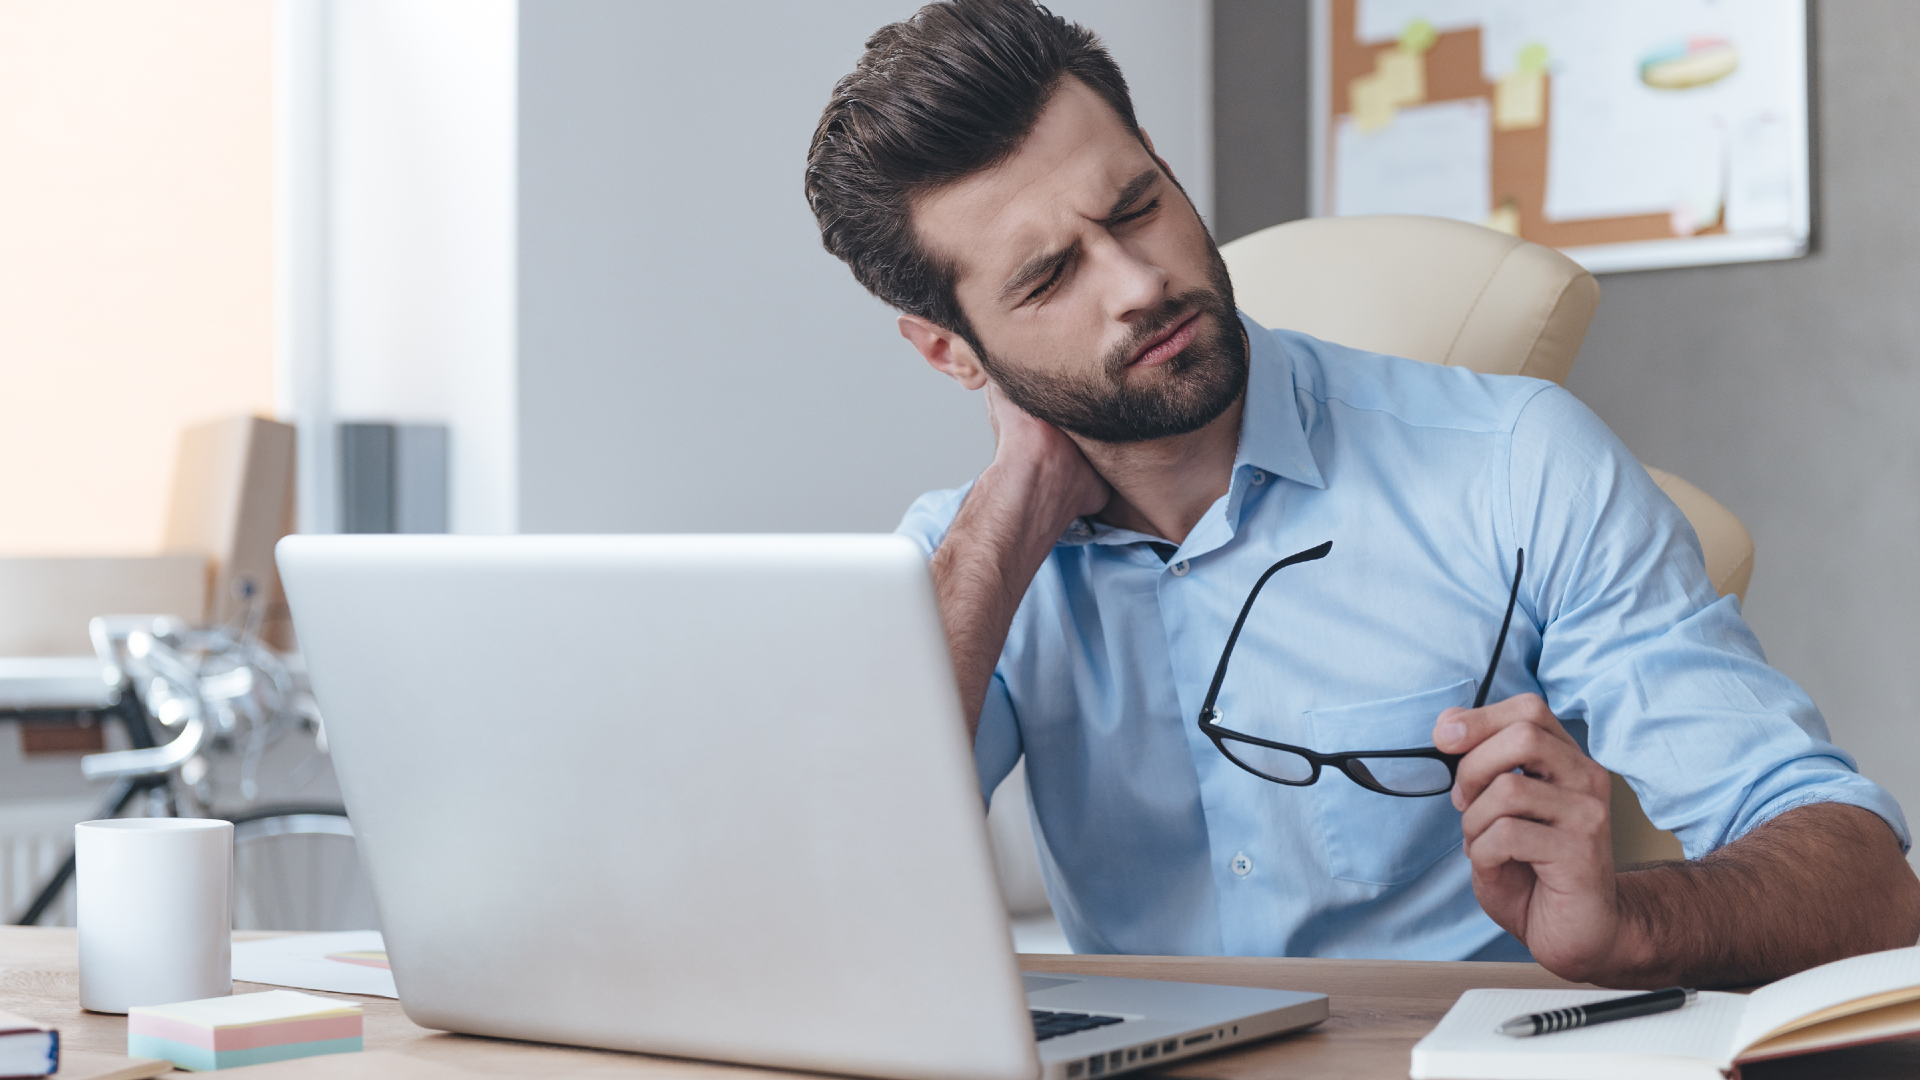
(934,99)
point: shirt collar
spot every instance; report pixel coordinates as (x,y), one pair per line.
(1272,435)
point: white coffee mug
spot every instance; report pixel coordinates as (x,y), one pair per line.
(154,918)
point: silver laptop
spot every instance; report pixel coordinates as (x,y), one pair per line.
(707,796)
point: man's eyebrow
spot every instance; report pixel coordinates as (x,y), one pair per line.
(1041,266)
(1130,194)
(1035,269)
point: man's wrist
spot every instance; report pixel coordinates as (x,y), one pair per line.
(1637,958)
(1019,505)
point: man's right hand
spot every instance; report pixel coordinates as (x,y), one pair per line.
(1022,442)
(1038,484)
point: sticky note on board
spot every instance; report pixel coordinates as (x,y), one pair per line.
(1418,37)
(1372,107)
(1505,218)
(245,1029)
(1403,74)
(1520,101)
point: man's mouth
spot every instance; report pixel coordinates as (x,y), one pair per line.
(1169,344)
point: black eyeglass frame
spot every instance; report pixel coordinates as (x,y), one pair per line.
(1352,763)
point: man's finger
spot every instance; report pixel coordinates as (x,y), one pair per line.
(1458,731)
(1529,749)
(1515,840)
(1512,795)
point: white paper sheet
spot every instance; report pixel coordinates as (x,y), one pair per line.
(302,961)
(1694,1041)
(1433,159)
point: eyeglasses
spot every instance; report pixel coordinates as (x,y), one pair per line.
(1411,774)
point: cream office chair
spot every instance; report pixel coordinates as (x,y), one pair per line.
(1447,292)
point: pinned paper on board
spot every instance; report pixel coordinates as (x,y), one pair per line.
(1505,217)
(1398,79)
(1520,97)
(1373,106)
(1433,160)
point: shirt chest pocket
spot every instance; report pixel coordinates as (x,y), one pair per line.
(1383,839)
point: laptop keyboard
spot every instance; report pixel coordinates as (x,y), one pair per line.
(1047,1025)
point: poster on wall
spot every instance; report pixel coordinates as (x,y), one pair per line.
(1628,134)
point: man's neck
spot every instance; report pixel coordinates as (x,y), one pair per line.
(1163,487)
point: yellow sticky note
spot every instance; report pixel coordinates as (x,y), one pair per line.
(1372,107)
(1520,101)
(1404,75)
(1418,37)
(1505,218)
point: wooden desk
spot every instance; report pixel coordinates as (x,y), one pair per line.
(1380,1008)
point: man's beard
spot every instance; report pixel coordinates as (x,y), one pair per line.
(1198,383)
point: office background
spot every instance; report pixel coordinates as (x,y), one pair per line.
(573,231)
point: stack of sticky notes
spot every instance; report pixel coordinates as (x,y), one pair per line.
(245,1029)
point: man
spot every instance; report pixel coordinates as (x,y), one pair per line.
(1157,454)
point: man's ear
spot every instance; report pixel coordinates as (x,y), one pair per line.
(947,351)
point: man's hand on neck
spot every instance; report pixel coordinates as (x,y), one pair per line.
(1162,488)
(1038,484)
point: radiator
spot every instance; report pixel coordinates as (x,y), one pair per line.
(34,837)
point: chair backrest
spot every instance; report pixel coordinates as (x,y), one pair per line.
(1425,288)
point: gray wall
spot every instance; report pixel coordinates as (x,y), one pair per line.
(1787,390)
(689,358)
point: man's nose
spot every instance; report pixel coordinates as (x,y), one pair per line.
(1134,284)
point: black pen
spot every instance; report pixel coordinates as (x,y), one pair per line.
(1598,1012)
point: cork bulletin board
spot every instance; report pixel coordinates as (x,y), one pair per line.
(1629,134)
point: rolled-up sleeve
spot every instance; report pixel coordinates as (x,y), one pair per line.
(1675,690)
(996,744)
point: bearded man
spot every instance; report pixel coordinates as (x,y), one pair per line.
(1453,601)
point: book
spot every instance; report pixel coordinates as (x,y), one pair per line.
(27,1048)
(244,1029)
(1858,1000)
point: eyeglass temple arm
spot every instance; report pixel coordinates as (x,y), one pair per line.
(1499,643)
(1220,673)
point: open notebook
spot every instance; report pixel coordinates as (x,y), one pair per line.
(1861,999)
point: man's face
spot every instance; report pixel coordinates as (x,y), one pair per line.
(1098,301)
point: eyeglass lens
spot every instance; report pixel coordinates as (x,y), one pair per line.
(1404,775)
(1282,765)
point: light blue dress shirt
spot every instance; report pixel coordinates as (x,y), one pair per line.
(1426,479)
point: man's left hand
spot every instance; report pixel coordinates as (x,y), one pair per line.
(1537,832)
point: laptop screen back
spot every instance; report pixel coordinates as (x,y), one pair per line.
(706,796)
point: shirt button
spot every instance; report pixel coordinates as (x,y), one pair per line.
(1241,864)
(1081,528)
(1258,477)
(1180,568)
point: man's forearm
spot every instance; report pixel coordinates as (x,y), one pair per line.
(1815,884)
(998,540)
